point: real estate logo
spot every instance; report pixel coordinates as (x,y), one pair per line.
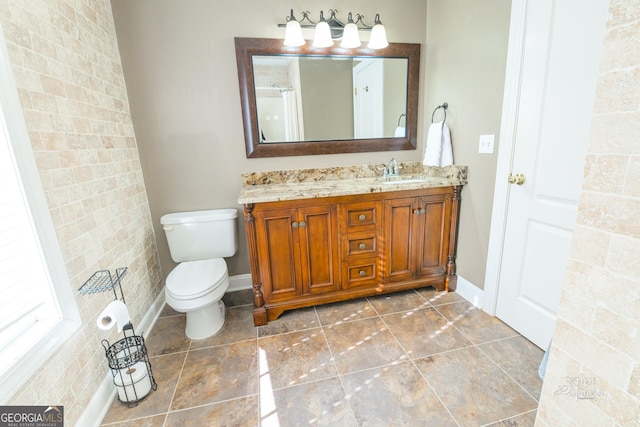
(31,416)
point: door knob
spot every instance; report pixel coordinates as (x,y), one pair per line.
(518,179)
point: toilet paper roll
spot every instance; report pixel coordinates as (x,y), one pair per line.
(133,383)
(115,313)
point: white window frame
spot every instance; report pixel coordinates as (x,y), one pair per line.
(12,122)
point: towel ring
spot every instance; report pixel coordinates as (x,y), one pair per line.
(444,107)
(400,118)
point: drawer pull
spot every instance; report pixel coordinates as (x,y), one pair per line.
(363,273)
(362,217)
(362,246)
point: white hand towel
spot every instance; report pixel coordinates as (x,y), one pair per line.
(400,132)
(438,151)
(446,158)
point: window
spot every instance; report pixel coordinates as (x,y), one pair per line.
(37,309)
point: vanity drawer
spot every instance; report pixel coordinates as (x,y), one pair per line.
(360,216)
(360,273)
(358,245)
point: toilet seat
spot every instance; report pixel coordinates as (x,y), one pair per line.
(194,279)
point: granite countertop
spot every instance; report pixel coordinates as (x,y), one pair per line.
(343,181)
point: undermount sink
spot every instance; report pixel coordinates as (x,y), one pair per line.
(407,179)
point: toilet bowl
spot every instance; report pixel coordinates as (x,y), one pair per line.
(198,241)
(197,288)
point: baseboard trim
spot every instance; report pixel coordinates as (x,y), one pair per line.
(103,397)
(240,282)
(470,292)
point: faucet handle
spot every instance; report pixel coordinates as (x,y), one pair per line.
(385,171)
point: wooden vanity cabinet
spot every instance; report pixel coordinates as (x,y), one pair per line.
(315,251)
(298,251)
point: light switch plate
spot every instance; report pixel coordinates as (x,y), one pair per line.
(486,144)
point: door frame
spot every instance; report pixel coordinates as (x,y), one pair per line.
(513,77)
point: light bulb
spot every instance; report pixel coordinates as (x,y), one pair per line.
(350,36)
(378,38)
(322,37)
(293,32)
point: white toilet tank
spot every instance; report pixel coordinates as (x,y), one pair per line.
(198,235)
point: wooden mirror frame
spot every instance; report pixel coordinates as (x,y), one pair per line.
(246,48)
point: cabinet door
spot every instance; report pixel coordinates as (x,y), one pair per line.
(277,255)
(319,248)
(401,223)
(433,241)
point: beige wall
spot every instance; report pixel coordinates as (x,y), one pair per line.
(180,67)
(466,60)
(596,344)
(67,69)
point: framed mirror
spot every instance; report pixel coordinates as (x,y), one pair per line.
(304,101)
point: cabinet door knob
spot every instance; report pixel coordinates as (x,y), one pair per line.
(303,224)
(362,217)
(294,225)
(422,211)
(363,273)
(362,246)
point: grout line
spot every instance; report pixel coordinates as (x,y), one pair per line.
(175,389)
(413,362)
(508,418)
(338,374)
(507,374)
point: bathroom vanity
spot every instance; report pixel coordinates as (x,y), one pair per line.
(317,236)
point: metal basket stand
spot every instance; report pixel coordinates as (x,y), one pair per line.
(130,367)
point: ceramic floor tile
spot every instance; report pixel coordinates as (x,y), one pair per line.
(436,297)
(394,396)
(519,358)
(242,412)
(398,301)
(523,420)
(424,332)
(217,373)
(238,326)
(345,311)
(289,321)
(167,336)
(320,403)
(166,370)
(294,358)
(237,298)
(156,421)
(475,390)
(477,325)
(363,344)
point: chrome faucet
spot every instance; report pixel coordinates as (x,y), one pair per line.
(392,170)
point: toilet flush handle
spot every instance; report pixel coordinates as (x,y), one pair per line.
(167,227)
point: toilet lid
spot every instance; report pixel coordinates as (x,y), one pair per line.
(193,279)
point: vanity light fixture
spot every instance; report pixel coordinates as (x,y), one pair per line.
(333,28)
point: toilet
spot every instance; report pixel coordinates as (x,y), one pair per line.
(199,241)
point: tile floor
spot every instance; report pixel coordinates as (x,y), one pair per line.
(416,358)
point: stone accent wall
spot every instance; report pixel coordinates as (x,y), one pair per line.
(593,376)
(66,65)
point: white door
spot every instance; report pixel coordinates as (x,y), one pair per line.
(368,99)
(558,60)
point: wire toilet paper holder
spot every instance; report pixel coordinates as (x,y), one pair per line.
(130,367)
(127,358)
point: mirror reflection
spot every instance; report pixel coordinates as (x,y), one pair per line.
(312,98)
